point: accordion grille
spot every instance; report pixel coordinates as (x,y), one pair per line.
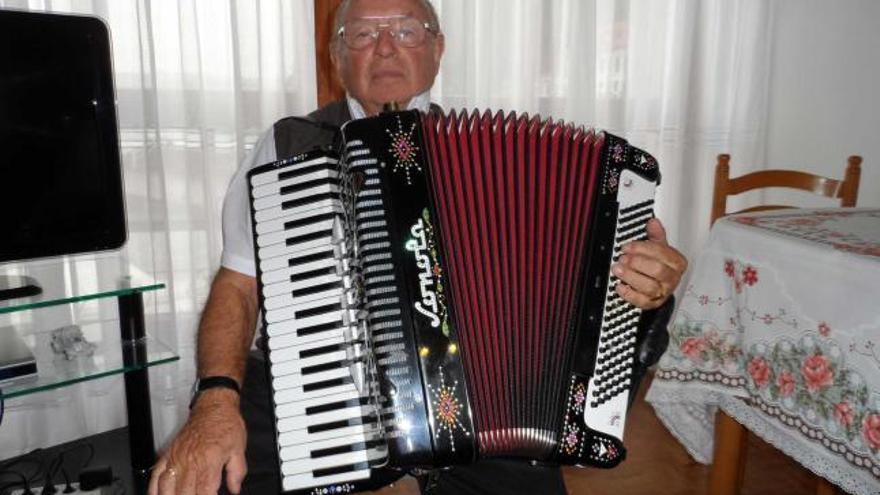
(514,197)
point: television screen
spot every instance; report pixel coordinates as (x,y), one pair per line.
(60,172)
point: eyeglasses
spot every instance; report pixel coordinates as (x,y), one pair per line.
(407,32)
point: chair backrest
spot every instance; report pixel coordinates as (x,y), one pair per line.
(847,190)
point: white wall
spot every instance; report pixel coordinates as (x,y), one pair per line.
(825,90)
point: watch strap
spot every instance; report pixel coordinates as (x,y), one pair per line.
(210,382)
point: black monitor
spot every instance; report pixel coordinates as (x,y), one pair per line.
(60,174)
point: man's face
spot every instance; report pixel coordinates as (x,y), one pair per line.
(385,72)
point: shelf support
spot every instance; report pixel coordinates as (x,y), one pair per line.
(137,388)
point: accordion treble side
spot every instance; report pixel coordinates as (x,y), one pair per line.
(442,292)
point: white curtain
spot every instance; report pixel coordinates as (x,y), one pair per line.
(683,79)
(197,82)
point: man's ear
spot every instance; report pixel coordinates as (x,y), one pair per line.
(334,56)
(439,48)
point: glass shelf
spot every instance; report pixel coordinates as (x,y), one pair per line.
(75,279)
(81,278)
(110,357)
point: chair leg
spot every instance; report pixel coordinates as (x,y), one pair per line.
(824,487)
(728,465)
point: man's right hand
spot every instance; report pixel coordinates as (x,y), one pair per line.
(213,437)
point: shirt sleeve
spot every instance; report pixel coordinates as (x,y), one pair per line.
(238,240)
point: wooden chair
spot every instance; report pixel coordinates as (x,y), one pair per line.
(847,190)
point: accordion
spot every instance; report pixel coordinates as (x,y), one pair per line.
(438,290)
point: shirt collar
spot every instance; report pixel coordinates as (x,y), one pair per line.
(421,101)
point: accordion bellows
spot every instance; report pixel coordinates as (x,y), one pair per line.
(442,291)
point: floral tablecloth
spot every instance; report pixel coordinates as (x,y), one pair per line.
(779,326)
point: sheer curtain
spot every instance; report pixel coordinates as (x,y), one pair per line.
(682,79)
(197,82)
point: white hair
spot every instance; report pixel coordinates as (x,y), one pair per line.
(339,18)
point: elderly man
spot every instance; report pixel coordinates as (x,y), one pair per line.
(384,51)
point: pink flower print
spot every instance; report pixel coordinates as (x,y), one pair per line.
(844,414)
(824,329)
(692,347)
(786,383)
(760,371)
(729,268)
(871,430)
(750,275)
(817,372)
(767,319)
(703,300)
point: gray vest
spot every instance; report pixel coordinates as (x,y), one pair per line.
(295,135)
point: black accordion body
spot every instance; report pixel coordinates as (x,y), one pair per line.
(439,290)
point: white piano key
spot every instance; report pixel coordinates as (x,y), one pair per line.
(345,459)
(298,408)
(287,329)
(277,224)
(296,394)
(276,263)
(337,294)
(304,451)
(306,480)
(282,248)
(289,313)
(274,188)
(282,364)
(277,199)
(286,341)
(285,273)
(304,422)
(297,436)
(272,175)
(300,381)
(283,235)
(267,214)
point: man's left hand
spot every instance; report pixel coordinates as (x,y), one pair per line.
(649,270)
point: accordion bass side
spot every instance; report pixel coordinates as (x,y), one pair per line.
(441,291)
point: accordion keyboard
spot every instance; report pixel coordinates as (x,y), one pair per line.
(608,390)
(326,418)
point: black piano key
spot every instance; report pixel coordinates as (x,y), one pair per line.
(323,327)
(308,237)
(318,310)
(343,449)
(347,469)
(289,174)
(316,288)
(311,387)
(317,351)
(331,270)
(302,186)
(310,258)
(293,203)
(302,222)
(317,368)
(332,406)
(335,425)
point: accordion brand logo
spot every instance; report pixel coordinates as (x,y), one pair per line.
(421,244)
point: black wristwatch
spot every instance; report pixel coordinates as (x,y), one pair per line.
(207,382)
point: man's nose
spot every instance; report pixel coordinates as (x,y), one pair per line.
(385,45)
